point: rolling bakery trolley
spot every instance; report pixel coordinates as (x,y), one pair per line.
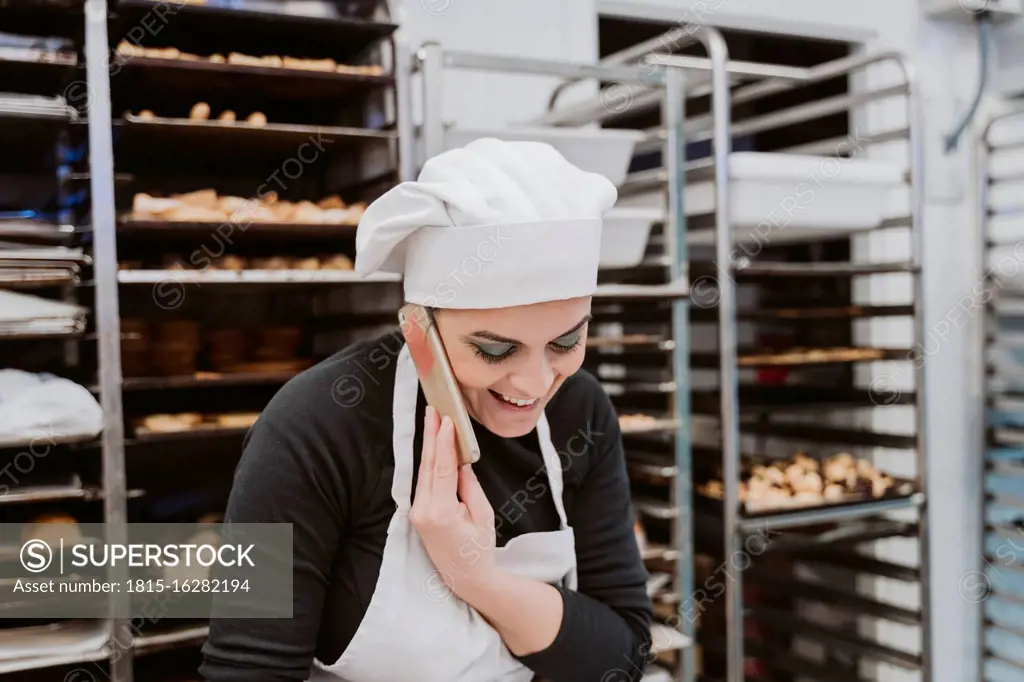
(792,527)
(212,161)
(997,584)
(789,576)
(59,460)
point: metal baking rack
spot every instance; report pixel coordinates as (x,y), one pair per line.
(997,584)
(89,188)
(621,290)
(736,424)
(832,535)
(44,253)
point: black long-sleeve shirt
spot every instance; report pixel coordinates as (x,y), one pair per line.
(320,457)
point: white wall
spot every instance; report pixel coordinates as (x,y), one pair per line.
(945,56)
(539,29)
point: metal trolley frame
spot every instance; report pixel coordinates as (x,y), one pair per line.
(997,575)
(430,62)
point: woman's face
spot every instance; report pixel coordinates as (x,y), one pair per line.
(510,361)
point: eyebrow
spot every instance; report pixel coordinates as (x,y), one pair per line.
(501,339)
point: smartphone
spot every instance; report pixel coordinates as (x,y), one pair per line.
(436,377)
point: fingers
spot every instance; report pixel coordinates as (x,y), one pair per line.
(473,496)
(444,486)
(426,473)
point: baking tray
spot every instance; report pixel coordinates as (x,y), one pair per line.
(902,489)
(192,27)
(191,231)
(278,83)
(624,236)
(604,151)
(809,314)
(184,278)
(239,139)
(203,379)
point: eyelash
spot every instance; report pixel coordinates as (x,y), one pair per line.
(558,348)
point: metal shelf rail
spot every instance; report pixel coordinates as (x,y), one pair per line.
(998,584)
(429,62)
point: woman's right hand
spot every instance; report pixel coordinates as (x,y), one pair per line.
(451,513)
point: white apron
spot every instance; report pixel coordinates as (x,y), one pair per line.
(414,628)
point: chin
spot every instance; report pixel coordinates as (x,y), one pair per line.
(509,428)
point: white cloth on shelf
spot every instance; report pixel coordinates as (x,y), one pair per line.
(491,225)
(45,409)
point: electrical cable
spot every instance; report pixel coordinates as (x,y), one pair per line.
(953,139)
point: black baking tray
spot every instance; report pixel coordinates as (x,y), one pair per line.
(902,489)
(277,83)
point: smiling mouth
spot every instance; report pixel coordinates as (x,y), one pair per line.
(510,402)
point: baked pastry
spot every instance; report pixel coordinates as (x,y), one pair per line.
(238,420)
(332,201)
(325,65)
(127,49)
(340,216)
(204,198)
(336,262)
(217,59)
(146,115)
(227,115)
(165,423)
(273,61)
(833,493)
(230,262)
(197,214)
(240,59)
(145,206)
(257,118)
(306,264)
(273,263)
(200,112)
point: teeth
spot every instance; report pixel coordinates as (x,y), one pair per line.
(517,401)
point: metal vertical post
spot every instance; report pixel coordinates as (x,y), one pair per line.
(917,200)
(673,115)
(431,56)
(721,108)
(403,110)
(101,171)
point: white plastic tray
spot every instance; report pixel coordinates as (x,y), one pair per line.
(785,198)
(1008,131)
(624,235)
(604,151)
(1006,163)
(1007,197)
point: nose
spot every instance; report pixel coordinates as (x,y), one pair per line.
(534,380)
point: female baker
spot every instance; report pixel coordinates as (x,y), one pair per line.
(407,567)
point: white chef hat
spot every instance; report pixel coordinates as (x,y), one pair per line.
(490,225)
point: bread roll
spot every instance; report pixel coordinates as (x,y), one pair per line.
(145,207)
(332,201)
(238,420)
(200,112)
(203,198)
(227,115)
(146,115)
(217,59)
(257,118)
